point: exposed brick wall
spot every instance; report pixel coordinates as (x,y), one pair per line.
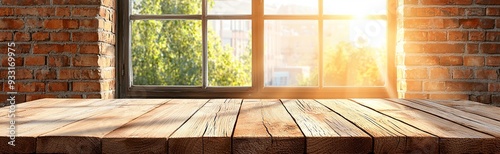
(64,48)
(449,49)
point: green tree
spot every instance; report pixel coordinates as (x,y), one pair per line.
(169,52)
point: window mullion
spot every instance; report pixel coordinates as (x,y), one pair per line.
(320,35)
(204,43)
(258,45)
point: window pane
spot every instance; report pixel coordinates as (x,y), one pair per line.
(229,7)
(167,52)
(355,53)
(287,7)
(291,53)
(158,7)
(355,7)
(230,53)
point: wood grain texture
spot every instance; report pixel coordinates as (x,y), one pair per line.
(485,110)
(476,122)
(454,138)
(264,126)
(390,135)
(209,130)
(39,117)
(149,132)
(326,131)
(84,136)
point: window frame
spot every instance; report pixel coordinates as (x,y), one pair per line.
(126,89)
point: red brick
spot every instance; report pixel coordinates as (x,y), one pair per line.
(494,87)
(34,23)
(426,23)
(61,24)
(434,48)
(466,86)
(412,86)
(475,11)
(34,61)
(46,74)
(457,35)
(486,99)
(40,36)
(54,48)
(415,35)
(451,23)
(421,60)
(493,61)
(437,36)
(434,86)
(86,86)
(58,86)
(39,12)
(71,74)
(493,11)
(58,61)
(449,96)
(446,2)
(4,11)
(76,2)
(21,74)
(60,36)
(26,2)
(498,23)
(487,74)
(451,60)
(85,12)
(463,74)
(488,2)
(11,24)
(419,73)
(476,36)
(6,36)
(86,60)
(490,48)
(109,3)
(18,61)
(89,48)
(440,73)
(495,100)
(487,23)
(89,23)
(86,36)
(21,36)
(470,23)
(20,48)
(473,61)
(107,49)
(30,87)
(472,48)
(414,96)
(493,36)
(63,11)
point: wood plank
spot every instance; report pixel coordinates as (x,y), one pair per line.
(390,135)
(264,126)
(454,138)
(485,110)
(326,131)
(476,122)
(209,130)
(84,136)
(149,132)
(39,119)
(36,104)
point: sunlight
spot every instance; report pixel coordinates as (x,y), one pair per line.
(357,8)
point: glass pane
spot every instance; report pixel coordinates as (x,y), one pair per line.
(229,52)
(291,53)
(287,7)
(167,52)
(355,53)
(229,7)
(355,7)
(158,7)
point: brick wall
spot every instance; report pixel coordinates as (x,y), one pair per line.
(449,49)
(64,48)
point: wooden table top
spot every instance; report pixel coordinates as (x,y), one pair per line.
(252,126)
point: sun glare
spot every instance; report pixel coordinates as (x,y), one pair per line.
(357,8)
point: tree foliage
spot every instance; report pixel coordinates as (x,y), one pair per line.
(169,52)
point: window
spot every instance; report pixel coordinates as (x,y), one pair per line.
(256,49)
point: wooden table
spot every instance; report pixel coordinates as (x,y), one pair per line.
(252,126)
